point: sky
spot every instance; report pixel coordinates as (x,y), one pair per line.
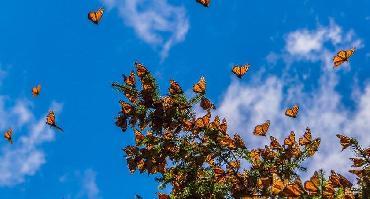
(289,45)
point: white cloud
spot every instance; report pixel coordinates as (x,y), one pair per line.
(322,108)
(304,44)
(24,157)
(156,22)
(86,184)
(89,184)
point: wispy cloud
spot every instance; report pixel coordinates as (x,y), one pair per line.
(25,157)
(87,185)
(322,108)
(156,22)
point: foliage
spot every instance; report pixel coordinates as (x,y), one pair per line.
(198,158)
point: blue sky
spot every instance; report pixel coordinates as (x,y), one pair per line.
(289,45)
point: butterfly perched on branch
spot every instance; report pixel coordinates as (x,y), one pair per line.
(200,86)
(96,16)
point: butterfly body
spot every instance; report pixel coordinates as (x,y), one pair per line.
(50,120)
(262,129)
(342,56)
(8,135)
(240,71)
(205,3)
(36,90)
(200,86)
(293,111)
(96,16)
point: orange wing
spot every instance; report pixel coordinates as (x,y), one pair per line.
(96,16)
(262,129)
(205,3)
(274,143)
(203,121)
(130,80)
(140,69)
(293,190)
(342,56)
(174,88)
(277,184)
(50,120)
(313,147)
(292,112)
(200,86)
(206,104)
(240,71)
(344,141)
(8,135)
(312,186)
(290,140)
(36,90)
(307,137)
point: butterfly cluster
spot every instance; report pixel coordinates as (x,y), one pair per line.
(199,158)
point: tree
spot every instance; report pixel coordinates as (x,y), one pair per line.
(199,158)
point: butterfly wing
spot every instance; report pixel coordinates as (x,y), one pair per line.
(200,86)
(205,3)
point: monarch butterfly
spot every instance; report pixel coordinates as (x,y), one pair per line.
(293,189)
(277,184)
(358,173)
(139,137)
(218,171)
(262,129)
(329,191)
(290,140)
(216,123)
(96,16)
(200,86)
(358,162)
(342,56)
(295,151)
(206,104)
(8,135)
(121,121)
(313,147)
(130,80)
(312,185)
(50,120)
(175,88)
(223,126)
(141,69)
(338,180)
(292,112)
(188,125)
(126,108)
(239,141)
(306,139)
(344,141)
(36,90)
(255,157)
(203,121)
(274,143)
(205,3)
(240,71)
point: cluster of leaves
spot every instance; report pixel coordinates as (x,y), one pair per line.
(197,156)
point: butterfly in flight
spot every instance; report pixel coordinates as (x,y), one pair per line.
(8,135)
(96,16)
(36,90)
(240,71)
(293,111)
(342,56)
(205,3)
(50,120)
(262,129)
